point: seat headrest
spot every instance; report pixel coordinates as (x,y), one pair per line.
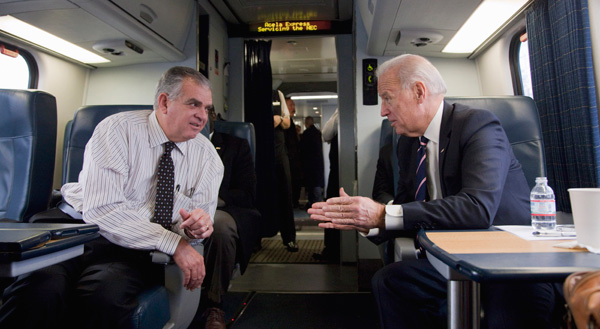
(243,130)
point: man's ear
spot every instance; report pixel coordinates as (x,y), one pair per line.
(419,90)
(163,100)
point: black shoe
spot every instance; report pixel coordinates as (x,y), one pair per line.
(319,257)
(325,258)
(215,318)
(291,246)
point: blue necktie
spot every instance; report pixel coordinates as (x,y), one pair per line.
(163,210)
(421,175)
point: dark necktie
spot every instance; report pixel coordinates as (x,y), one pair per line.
(163,210)
(421,188)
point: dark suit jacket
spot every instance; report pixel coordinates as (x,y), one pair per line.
(482,183)
(311,148)
(292,144)
(238,190)
(383,186)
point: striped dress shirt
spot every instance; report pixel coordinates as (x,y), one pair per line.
(117,185)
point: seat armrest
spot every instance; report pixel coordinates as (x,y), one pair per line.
(406,250)
(183,303)
(160,257)
(55,199)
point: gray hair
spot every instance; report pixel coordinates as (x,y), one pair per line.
(412,68)
(171,81)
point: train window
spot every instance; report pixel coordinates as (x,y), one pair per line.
(519,64)
(18,67)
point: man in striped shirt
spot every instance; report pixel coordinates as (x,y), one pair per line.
(117,190)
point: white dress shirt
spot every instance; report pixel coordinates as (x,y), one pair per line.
(331,127)
(117,185)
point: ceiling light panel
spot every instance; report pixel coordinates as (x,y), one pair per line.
(44,39)
(490,16)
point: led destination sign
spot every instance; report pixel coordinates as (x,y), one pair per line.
(295,26)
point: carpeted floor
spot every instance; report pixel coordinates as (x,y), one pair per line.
(273,251)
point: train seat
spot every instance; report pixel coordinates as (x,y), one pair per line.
(168,306)
(519,117)
(27,144)
(243,130)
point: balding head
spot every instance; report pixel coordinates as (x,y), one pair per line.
(412,68)
(411,89)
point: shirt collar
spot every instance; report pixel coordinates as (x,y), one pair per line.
(433,130)
(157,136)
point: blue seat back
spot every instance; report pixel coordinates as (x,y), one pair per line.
(27,150)
(243,130)
(521,122)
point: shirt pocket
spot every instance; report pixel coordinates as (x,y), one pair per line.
(180,200)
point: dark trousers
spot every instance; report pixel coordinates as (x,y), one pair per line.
(96,290)
(313,194)
(296,180)
(219,257)
(412,294)
(283,203)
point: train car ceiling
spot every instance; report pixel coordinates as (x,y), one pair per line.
(122,31)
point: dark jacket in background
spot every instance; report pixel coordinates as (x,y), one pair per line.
(238,190)
(311,148)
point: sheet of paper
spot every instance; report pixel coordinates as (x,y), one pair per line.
(526,232)
(572,244)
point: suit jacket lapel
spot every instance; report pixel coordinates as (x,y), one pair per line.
(445,134)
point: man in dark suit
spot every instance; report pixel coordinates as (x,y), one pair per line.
(237,223)
(472,181)
(313,167)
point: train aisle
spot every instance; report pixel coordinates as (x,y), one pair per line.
(292,290)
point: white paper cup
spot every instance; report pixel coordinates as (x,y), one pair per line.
(585,203)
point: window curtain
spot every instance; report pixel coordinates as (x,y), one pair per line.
(564,91)
(258,110)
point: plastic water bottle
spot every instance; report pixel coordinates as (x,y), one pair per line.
(543,207)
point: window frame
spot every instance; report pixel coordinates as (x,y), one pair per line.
(31,63)
(513,58)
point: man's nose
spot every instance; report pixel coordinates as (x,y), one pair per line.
(202,114)
(384,111)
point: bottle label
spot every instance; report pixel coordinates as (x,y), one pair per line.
(543,208)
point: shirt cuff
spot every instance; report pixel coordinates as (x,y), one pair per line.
(394,217)
(168,242)
(372,232)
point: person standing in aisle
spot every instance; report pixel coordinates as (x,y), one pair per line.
(283,198)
